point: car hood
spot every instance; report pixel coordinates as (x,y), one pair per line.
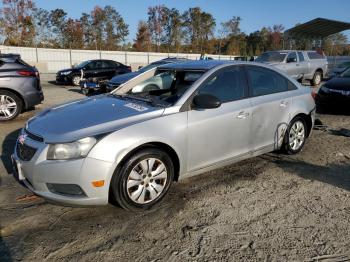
(89,117)
(339,83)
(120,79)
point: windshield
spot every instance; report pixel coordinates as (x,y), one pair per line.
(271,57)
(344,65)
(164,88)
(81,65)
(346,73)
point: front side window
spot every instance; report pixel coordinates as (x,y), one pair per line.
(264,81)
(292,57)
(227,85)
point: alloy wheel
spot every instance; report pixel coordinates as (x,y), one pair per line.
(297,135)
(147,180)
(8,107)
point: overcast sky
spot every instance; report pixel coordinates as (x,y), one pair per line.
(254,13)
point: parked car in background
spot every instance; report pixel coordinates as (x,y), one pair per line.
(300,65)
(339,69)
(99,69)
(20,87)
(335,93)
(130,145)
(116,81)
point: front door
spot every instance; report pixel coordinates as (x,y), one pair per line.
(219,134)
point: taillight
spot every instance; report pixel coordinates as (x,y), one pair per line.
(28,73)
(129,67)
(314,94)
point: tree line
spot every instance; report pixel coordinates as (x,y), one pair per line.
(22,23)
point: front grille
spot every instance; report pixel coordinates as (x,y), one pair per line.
(25,152)
(33,136)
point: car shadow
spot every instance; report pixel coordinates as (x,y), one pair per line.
(7,149)
(334,174)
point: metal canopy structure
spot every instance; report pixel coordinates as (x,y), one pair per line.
(318,28)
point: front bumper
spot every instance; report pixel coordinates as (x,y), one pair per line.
(38,173)
(63,79)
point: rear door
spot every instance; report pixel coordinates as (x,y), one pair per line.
(219,134)
(271,101)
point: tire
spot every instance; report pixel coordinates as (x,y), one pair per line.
(317,78)
(10,105)
(134,187)
(299,139)
(76,80)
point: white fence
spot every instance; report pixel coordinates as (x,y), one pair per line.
(51,60)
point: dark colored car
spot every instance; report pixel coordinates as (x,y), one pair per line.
(116,81)
(100,69)
(20,87)
(335,93)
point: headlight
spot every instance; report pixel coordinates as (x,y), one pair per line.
(77,149)
(66,73)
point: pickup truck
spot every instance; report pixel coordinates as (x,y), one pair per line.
(301,65)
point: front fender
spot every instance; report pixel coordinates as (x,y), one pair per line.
(169,129)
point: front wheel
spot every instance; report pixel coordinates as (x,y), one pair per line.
(143,180)
(76,80)
(295,136)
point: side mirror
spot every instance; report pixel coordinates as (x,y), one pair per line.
(140,67)
(291,60)
(206,101)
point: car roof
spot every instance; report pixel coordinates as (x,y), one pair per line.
(196,65)
(9,58)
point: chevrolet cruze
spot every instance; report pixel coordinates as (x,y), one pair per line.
(131,144)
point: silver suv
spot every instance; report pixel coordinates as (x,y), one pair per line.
(301,65)
(132,144)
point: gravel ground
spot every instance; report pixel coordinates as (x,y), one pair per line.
(269,208)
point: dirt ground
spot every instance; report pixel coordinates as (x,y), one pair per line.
(269,208)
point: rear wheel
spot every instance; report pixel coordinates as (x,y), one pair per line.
(295,136)
(10,105)
(143,180)
(316,80)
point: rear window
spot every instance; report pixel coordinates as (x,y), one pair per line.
(272,57)
(315,55)
(21,62)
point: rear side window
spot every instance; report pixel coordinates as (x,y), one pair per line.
(227,85)
(264,81)
(301,57)
(314,55)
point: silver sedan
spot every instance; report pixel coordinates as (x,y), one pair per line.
(130,145)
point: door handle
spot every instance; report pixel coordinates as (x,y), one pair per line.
(284,104)
(242,115)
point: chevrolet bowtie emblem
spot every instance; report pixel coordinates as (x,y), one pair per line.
(22,139)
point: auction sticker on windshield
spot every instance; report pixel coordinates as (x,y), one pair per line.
(136,107)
